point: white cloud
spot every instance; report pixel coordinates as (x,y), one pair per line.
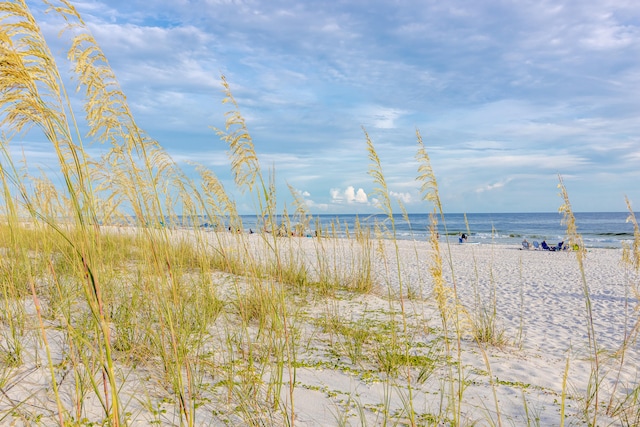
(349,195)
(494,186)
(405,198)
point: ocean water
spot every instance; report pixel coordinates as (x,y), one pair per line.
(598,229)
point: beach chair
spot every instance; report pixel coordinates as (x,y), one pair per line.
(525,245)
(544,246)
(559,247)
(536,245)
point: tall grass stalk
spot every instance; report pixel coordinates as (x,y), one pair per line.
(632,259)
(575,240)
(449,307)
(631,262)
(247,173)
(563,398)
(382,191)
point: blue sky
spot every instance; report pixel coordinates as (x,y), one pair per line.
(506,94)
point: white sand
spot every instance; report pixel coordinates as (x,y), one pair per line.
(539,306)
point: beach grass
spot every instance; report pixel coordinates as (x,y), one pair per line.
(114,313)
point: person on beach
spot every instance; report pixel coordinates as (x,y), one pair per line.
(462,238)
(545,246)
(525,244)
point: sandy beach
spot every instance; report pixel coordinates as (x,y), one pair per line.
(533,300)
(539,303)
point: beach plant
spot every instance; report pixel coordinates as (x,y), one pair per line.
(484,326)
(343,264)
(631,258)
(627,407)
(361,280)
(347,335)
(563,398)
(449,307)
(32,96)
(592,399)
(132,174)
(287,268)
(401,343)
(13,318)
(484,321)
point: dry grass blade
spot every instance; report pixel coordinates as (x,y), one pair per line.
(135,161)
(575,240)
(451,310)
(244,161)
(29,78)
(384,202)
(217,198)
(375,171)
(108,114)
(429,186)
(445,296)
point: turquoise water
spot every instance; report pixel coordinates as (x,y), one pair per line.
(598,229)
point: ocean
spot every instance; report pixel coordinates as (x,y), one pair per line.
(598,229)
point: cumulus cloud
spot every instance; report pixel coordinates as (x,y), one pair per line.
(349,195)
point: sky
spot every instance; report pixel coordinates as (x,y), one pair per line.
(507,95)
